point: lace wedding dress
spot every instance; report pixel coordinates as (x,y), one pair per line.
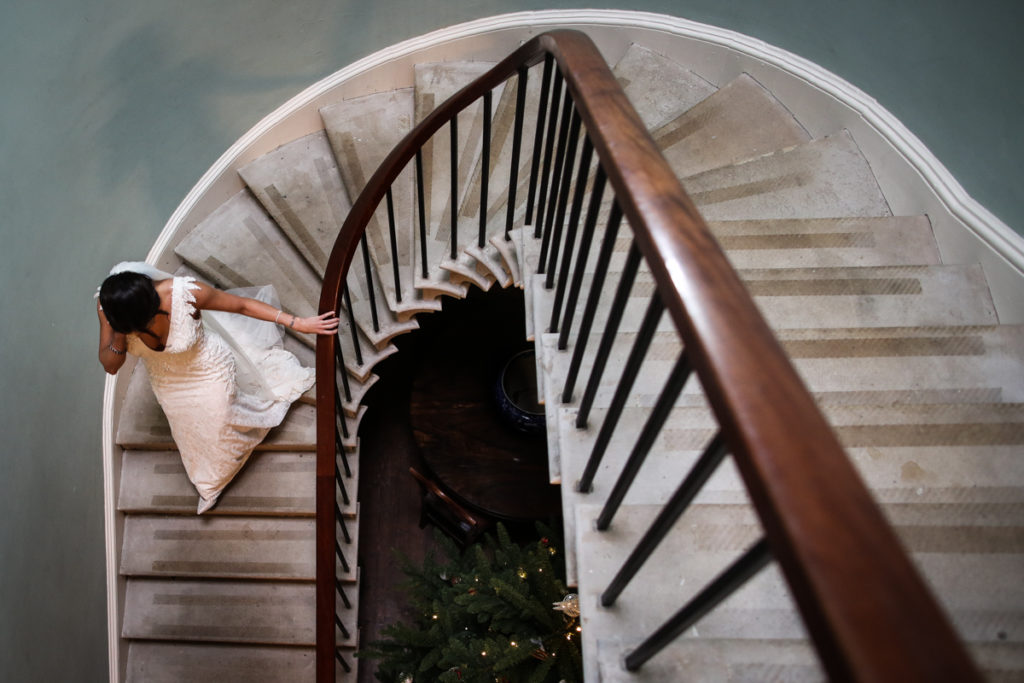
(223,381)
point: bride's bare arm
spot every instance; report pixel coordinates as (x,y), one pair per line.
(209,298)
(113,345)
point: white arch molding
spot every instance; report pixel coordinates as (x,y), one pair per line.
(910,176)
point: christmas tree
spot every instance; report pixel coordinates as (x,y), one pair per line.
(497,612)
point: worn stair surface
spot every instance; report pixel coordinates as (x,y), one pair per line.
(905,354)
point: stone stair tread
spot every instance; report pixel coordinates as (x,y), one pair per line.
(718,659)
(251,548)
(254,612)
(491,262)
(271,483)
(219,547)
(173,662)
(464,270)
(946,361)
(827,242)
(824,178)
(659,88)
(740,121)
(509,256)
(239,245)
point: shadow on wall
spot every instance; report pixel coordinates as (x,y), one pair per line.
(164,105)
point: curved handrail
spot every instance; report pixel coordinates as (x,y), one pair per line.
(869,613)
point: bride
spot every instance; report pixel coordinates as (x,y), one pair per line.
(222,380)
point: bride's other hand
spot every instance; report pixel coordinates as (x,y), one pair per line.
(325,323)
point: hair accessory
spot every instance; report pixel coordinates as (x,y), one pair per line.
(119,352)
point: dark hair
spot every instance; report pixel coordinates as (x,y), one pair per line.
(129,301)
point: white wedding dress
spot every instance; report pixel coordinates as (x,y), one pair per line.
(223,381)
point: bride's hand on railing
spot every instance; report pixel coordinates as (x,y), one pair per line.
(325,323)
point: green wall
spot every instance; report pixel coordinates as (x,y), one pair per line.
(112,109)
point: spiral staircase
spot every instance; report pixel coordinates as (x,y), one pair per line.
(904,348)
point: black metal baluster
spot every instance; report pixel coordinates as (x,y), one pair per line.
(596,194)
(344,631)
(453,160)
(538,136)
(629,373)
(344,462)
(485,170)
(423,212)
(352,327)
(344,596)
(337,399)
(341,487)
(570,237)
(344,664)
(369,282)
(655,421)
(344,527)
(561,159)
(343,371)
(563,198)
(394,247)
(741,571)
(549,147)
(608,336)
(517,143)
(607,247)
(341,556)
(669,515)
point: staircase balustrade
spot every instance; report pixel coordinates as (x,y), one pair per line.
(868,612)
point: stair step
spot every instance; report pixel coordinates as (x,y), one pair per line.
(143,425)
(824,178)
(510,260)
(659,88)
(717,659)
(740,121)
(362,132)
(173,662)
(270,484)
(300,186)
(224,547)
(951,362)
(239,245)
(826,242)
(254,612)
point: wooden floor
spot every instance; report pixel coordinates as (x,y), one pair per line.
(389,497)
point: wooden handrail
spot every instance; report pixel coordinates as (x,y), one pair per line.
(869,613)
